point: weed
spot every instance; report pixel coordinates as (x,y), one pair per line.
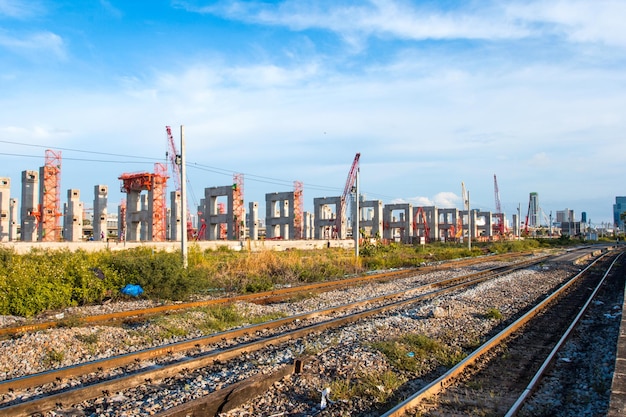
(493,314)
(54,357)
(90,339)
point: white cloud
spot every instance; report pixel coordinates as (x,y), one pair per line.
(36,45)
(578,20)
(20,9)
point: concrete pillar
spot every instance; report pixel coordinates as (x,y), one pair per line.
(280,215)
(5,198)
(13,219)
(73,217)
(100,215)
(398,222)
(308,225)
(253,220)
(448,224)
(145,218)
(30,202)
(431,215)
(371,220)
(211,215)
(176,217)
(325,223)
(133,215)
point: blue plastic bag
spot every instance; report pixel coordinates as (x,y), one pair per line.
(134,290)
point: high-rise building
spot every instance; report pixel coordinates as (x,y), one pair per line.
(618,208)
(564,216)
(533,210)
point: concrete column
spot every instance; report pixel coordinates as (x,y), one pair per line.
(145,217)
(5,198)
(13,219)
(324,220)
(73,217)
(398,222)
(372,217)
(100,214)
(175,217)
(280,215)
(253,220)
(133,215)
(30,202)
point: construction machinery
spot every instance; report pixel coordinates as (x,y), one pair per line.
(174,158)
(498,227)
(341,216)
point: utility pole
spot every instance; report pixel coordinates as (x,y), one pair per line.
(183,198)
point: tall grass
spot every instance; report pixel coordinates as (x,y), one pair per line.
(46,280)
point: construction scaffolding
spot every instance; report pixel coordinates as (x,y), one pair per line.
(298,205)
(49,213)
(156,185)
(239,221)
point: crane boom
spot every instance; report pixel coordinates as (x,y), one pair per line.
(349,184)
(174,159)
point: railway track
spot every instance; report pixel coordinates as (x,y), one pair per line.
(50,390)
(499,377)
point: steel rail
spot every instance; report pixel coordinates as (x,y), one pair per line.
(532,385)
(86,392)
(282,292)
(445,380)
(41,378)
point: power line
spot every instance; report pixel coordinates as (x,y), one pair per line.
(201,167)
(75,150)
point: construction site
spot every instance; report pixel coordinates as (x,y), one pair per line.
(222,215)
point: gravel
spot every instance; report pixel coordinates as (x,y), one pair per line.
(458,319)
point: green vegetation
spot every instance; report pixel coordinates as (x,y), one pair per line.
(493,314)
(47,280)
(377,385)
(418,353)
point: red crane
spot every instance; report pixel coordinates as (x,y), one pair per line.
(174,158)
(348,187)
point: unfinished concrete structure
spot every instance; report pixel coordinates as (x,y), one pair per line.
(211,215)
(484,224)
(280,216)
(73,217)
(100,215)
(5,212)
(425,223)
(398,222)
(29,206)
(371,218)
(325,222)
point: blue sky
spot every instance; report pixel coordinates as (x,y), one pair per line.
(431,93)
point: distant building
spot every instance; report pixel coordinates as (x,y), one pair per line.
(563,216)
(618,208)
(533,210)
